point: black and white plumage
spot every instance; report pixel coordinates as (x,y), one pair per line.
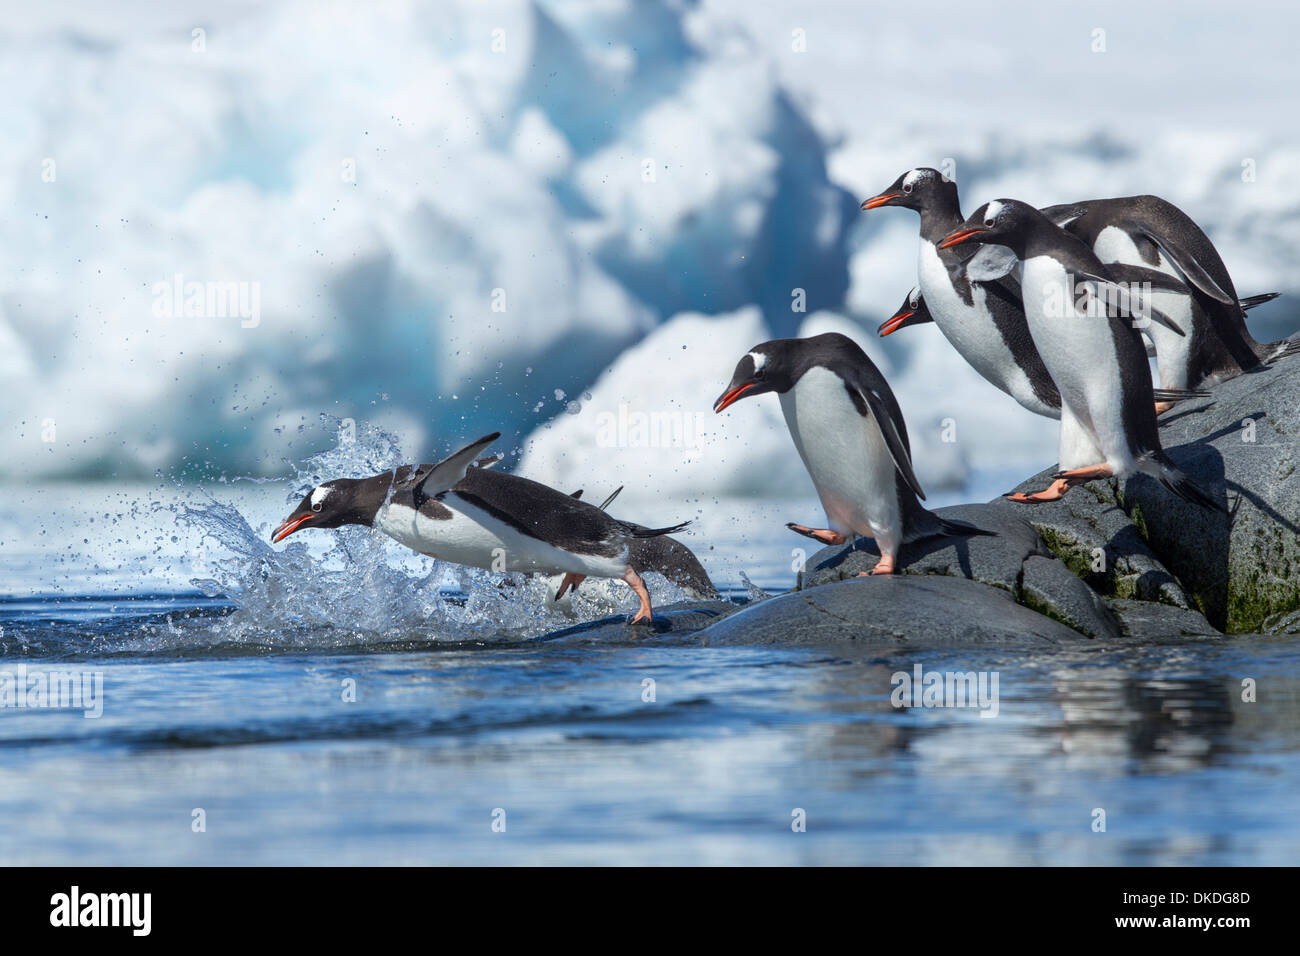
(983,320)
(482,518)
(851,436)
(665,556)
(1095,356)
(1151,232)
(913,311)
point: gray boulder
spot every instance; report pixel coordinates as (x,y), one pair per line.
(1015,560)
(673,624)
(1243,574)
(891,609)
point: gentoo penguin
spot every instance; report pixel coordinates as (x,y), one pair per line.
(984,321)
(1098,360)
(482,518)
(913,311)
(1152,232)
(663,555)
(851,436)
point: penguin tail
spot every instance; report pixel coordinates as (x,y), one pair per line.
(955,528)
(1253,300)
(636,531)
(926,524)
(1281,350)
(1158,466)
(1178,394)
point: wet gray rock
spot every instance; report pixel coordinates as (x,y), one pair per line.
(991,559)
(1242,445)
(895,609)
(1015,559)
(672,624)
(1150,621)
(1049,587)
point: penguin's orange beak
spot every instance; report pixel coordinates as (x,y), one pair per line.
(730,397)
(881,200)
(289,527)
(894,324)
(958,237)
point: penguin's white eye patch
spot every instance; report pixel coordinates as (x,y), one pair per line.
(759,361)
(318,497)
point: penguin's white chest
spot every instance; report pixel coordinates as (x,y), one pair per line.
(523,552)
(457,539)
(1080,354)
(970,328)
(1173,351)
(846,457)
(1078,349)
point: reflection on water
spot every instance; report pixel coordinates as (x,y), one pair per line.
(236,705)
(734,742)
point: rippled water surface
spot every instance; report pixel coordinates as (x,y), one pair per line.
(232,703)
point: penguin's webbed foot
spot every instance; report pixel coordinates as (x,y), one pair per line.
(1077,476)
(824,535)
(644,613)
(884,566)
(570,583)
(1053,492)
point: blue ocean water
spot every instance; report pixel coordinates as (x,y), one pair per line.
(336,707)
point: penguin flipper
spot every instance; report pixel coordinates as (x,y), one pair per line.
(992,262)
(1139,275)
(449,472)
(866,398)
(1189,266)
(1111,292)
(1065,213)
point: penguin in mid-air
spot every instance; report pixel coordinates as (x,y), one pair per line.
(482,518)
(663,555)
(913,311)
(979,311)
(1095,356)
(850,433)
(1152,232)
(984,321)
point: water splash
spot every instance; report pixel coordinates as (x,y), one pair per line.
(358,593)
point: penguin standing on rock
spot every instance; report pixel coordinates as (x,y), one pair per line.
(482,518)
(1151,232)
(851,436)
(1096,358)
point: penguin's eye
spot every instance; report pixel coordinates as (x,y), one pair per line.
(316,507)
(907,187)
(988,223)
(759,373)
(912,302)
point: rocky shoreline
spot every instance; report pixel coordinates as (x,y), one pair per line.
(1113,560)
